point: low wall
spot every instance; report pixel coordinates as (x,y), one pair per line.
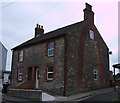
(35,95)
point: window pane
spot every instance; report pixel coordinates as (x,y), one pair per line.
(51,45)
(95,76)
(21,52)
(21,55)
(50,52)
(19,70)
(91,34)
(20,74)
(50,75)
(21,58)
(50,68)
(20,77)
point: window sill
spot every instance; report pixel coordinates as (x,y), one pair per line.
(49,80)
(20,61)
(19,80)
(50,56)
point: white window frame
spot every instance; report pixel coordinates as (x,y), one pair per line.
(92,35)
(50,49)
(49,72)
(20,74)
(95,73)
(20,55)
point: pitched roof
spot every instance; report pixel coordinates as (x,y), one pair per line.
(53,34)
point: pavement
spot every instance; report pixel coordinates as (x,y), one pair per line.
(47,97)
(6,97)
(82,96)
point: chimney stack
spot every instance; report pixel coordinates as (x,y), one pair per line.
(88,13)
(39,30)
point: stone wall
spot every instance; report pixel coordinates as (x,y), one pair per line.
(36,95)
(83,56)
(35,56)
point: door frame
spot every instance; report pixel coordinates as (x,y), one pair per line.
(37,74)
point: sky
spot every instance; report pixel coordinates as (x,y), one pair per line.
(19,20)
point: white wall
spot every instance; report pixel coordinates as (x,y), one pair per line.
(3,57)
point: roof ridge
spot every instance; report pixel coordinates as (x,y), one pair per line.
(52,34)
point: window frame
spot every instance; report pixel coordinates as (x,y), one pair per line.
(50,49)
(95,73)
(47,73)
(20,74)
(50,72)
(21,55)
(92,34)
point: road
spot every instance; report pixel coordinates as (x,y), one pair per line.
(111,96)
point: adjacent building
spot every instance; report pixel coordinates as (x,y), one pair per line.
(68,60)
(3,57)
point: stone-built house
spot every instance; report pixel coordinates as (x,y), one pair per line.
(68,60)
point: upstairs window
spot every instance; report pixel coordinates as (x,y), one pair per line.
(20,56)
(91,34)
(95,75)
(19,74)
(51,49)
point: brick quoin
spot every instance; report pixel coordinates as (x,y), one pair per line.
(12,67)
(81,58)
(101,76)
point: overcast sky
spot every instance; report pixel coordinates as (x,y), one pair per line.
(20,18)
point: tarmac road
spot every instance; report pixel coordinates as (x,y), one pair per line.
(111,96)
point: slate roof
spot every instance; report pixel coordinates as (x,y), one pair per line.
(53,34)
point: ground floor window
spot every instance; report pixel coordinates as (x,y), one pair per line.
(50,71)
(19,74)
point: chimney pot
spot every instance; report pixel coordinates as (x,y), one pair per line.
(39,30)
(41,27)
(88,6)
(37,25)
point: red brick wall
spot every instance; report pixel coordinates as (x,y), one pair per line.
(101,76)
